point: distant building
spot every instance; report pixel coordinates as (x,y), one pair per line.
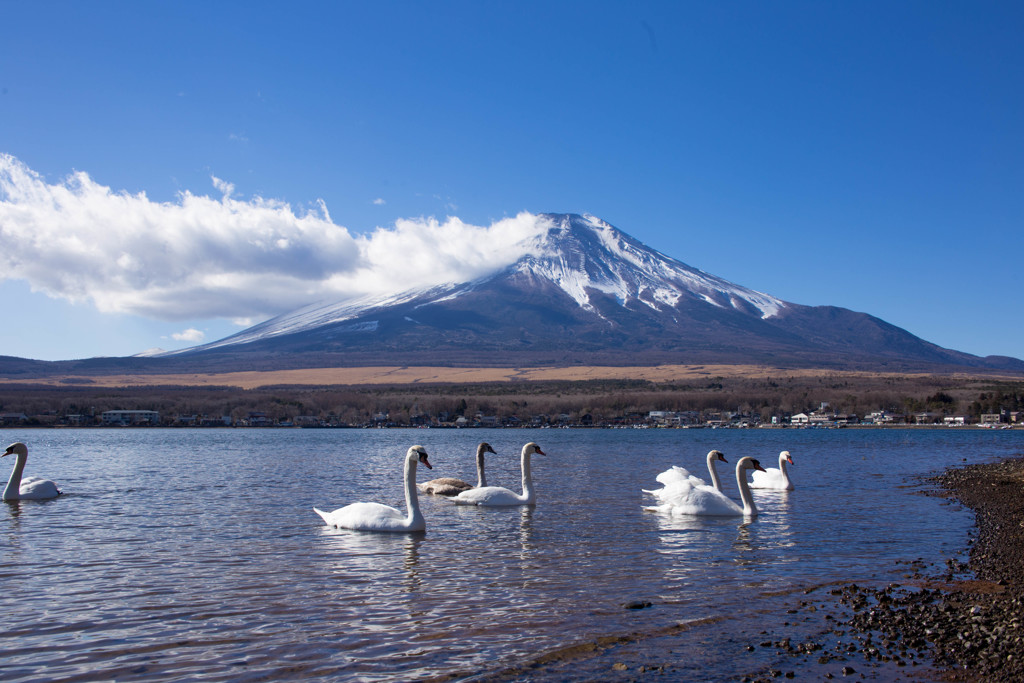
(124,418)
(258,418)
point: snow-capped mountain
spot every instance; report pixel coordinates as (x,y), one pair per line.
(581,255)
(583,293)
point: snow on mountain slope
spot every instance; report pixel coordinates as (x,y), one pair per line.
(575,291)
(317,315)
(578,254)
(583,252)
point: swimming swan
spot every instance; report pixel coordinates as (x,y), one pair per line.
(450,486)
(681,497)
(377,517)
(492,496)
(29,488)
(676,473)
(773,478)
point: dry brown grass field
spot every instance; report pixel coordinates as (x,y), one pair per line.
(368,376)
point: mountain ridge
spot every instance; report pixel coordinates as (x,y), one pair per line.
(583,293)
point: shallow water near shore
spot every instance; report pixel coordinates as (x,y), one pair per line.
(196,554)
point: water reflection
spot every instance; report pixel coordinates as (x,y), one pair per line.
(14,506)
(744,546)
(142,570)
(690,545)
(525,530)
(351,552)
(412,561)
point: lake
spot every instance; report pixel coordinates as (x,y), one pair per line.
(196,554)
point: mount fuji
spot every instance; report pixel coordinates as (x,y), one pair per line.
(583,293)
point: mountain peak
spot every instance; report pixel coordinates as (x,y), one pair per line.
(582,253)
(580,291)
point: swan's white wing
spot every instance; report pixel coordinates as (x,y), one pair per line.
(682,497)
(676,474)
(489,496)
(678,483)
(771,478)
(703,501)
(34,488)
(675,491)
(366,517)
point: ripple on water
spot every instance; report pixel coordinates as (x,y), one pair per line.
(195,553)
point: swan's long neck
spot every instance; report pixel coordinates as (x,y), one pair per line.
(412,500)
(481,480)
(716,481)
(783,464)
(13,489)
(528,492)
(749,509)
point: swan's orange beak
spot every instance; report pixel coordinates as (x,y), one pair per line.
(423,459)
(539,450)
(721,456)
(790,459)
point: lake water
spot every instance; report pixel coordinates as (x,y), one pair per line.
(195,553)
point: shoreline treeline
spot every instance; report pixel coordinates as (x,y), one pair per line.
(526,403)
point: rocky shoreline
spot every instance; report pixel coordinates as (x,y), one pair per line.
(961,621)
(966,622)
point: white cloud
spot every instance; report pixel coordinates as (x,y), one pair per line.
(225,188)
(242,260)
(191,335)
(379,202)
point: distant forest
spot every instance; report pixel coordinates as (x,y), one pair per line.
(603,400)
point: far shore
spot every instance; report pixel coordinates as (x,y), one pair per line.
(918,427)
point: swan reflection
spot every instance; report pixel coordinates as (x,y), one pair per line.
(694,542)
(15,507)
(745,546)
(526,530)
(361,554)
(761,544)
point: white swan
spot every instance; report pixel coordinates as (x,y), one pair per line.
(492,496)
(377,517)
(773,478)
(676,473)
(681,497)
(29,488)
(450,486)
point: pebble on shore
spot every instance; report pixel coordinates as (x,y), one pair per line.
(968,621)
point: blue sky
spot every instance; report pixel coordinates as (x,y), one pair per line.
(868,155)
